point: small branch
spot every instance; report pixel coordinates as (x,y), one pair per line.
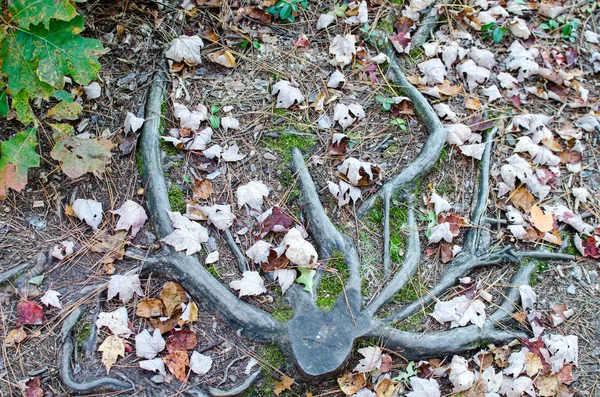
(409,267)
(432,148)
(65,373)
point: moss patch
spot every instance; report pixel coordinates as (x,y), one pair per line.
(398,218)
(83,334)
(213,271)
(284,144)
(274,359)
(539,269)
(282,311)
(330,287)
(168,148)
(412,291)
(410,324)
(176,198)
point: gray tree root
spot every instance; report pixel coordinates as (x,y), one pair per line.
(233,392)
(65,371)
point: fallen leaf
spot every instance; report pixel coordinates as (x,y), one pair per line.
(424,388)
(433,70)
(15,337)
(132,123)
(173,295)
(89,211)
(250,284)
(186,49)
(177,362)
(200,364)
(132,215)
(125,286)
(188,235)
(339,144)
(299,251)
(346,115)
(111,349)
(344,192)
(522,199)
(223,58)
(351,383)
(154,365)
(441,232)
(460,311)
(232,153)
(285,384)
(219,215)
(460,375)
(359,173)
(183,340)
(276,221)
(149,345)
(65,111)
(113,247)
(287,94)
(116,321)
(202,189)
(544,222)
(92,91)
(343,49)
(285,278)
(252,194)
(147,308)
(50,298)
(63,250)
(31,387)
(547,385)
(30,313)
(371,359)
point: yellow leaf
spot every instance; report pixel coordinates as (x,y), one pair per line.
(544,222)
(111,349)
(224,58)
(285,384)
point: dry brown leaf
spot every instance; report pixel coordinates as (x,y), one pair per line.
(473,103)
(113,247)
(190,315)
(522,199)
(202,189)
(147,308)
(385,388)
(172,295)
(15,337)
(177,363)
(111,349)
(351,383)
(547,385)
(544,222)
(446,88)
(181,340)
(533,363)
(168,324)
(285,384)
(223,58)
(565,375)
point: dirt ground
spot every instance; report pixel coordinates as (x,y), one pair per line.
(137,34)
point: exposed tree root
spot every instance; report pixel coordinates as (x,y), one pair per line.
(233,392)
(65,372)
(426,26)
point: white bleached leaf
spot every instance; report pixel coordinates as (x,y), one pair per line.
(492,381)
(588,123)
(453,52)
(356,171)
(460,311)
(200,140)
(506,80)
(89,211)
(361,18)
(518,28)
(324,21)
(528,297)
(344,192)
(439,232)
(424,387)
(343,49)
(474,150)
(154,365)
(445,113)
(516,363)
(116,321)
(473,74)
(132,123)
(285,278)
(219,215)
(188,235)
(336,79)
(564,350)
(545,156)
(516,167)
(187,49)
(287,94)
(483,58)
(517,387)
(492,93)
(259,251)
(252,194)
(230,123)
(299,251)
(149,345)
(92,91)
(458,134)
(132,215)
(439,204)
(250,284)
(212,258)
(522,59)
(199,363)
(63,250)
(50,298)
(380,58)
(434,71)
(213,152)
(124,286)
(581,193)
(518,231)
(346,115)
(190,118)
(232,153)
(590,37)
(525,144)
(371,359)
(460,375)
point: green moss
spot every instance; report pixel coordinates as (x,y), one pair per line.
(138,161)
(539,269)
(176,198)
(445,186)
(386,24)
(284,144)
(271,355)
(412,291)
(213,271)
(83,334)
(410,324)
(398,218)
(330,287)
(282,311)
(360,343)
(441,159)
(168,148)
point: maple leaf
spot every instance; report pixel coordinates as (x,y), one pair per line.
(63,250)
(31,387)
(544,222)
(346,115)
(18,156)
(424,388)
(439,204)
(299,251)
(439,232)
(132,123)
(186,49)
(132,216)
(343,49)
(434,71)
(339,144)
(111,349)
(351,383)
(154,365)
(113,247)
(460,375)
(177,362)
(116,321)
(287,94)
(30,313)
(200,364)
(285,384)
(232,153)
(79,154)
(181,340)
(188,235)
(460,311)
(15,337)
(173,295)
(324,21)
(344,192)
(285,278)
(473,74)
(252,194)
(250,284)
(149,345)
(147,308)
(50,298)
(191,119)
(125,286)
(564,350)
(359,173)
(371,359)
(230,123)
(219,215)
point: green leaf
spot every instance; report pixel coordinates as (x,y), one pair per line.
(65,111)
(79,155)
(18,156)
(37,280)
(307,278)
(244,44)
(29,12)
(20,103)
(340,11)
(215,121)
(256,45)
(62,95)
(3,104)
(498,34)
(273,10)
(285,11)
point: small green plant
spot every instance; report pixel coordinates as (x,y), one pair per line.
(400,122)
(569,30)
(367,33)
(285,9)
(550,25)
(246,44)
(386,103)
(214,119)
(493,30)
